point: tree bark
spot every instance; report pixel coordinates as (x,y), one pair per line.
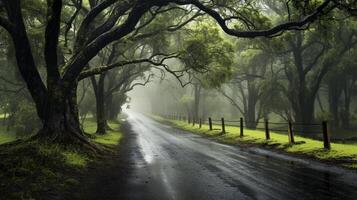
(61,122)
(100,104)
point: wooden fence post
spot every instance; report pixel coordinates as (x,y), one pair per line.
(210,123)
(241,127)
(200,123)
(193,121)
(223,126)
(327,144)
(267,131)
(189,119)
(291,133)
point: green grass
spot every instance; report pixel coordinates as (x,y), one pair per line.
(342,154)
(111,138)
(34,169)
(31,170)
(6,136)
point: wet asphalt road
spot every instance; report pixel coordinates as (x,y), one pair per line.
(172,164)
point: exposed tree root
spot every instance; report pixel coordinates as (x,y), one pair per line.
(74,138)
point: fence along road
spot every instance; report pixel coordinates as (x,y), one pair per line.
(292,127)
(173,164)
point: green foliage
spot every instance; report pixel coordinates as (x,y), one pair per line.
(75,159)
(208,54)
(185,100)
(196,54)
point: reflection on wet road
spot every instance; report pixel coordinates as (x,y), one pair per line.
(173,164)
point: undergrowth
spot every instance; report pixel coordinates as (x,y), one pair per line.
(42,170)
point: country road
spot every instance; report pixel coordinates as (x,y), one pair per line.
(167,163)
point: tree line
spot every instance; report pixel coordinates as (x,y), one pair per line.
(52,48)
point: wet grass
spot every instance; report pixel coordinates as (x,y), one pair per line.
(111,138)
(37,170)
(341,154)
(6,136)
(32,170)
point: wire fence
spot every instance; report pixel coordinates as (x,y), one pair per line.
(310,130)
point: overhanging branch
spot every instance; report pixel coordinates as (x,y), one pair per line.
(276,30)
(99,70)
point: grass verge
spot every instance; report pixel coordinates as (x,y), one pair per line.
(6,136)
(344,155)
(41,170)
(111,138)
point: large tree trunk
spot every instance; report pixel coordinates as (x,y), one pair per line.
(100,104)
(250,116)
(61,122)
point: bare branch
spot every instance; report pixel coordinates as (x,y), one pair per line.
(99,70)
(78,6)
(139,84)
(232,101)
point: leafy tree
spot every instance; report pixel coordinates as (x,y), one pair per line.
(66,63)
(210,57)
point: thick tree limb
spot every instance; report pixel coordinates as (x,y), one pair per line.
(88,19)
(99,70)
(51,38)
(119,11)
(258,33)
(82,58)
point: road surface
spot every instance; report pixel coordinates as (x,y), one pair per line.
(167,163)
